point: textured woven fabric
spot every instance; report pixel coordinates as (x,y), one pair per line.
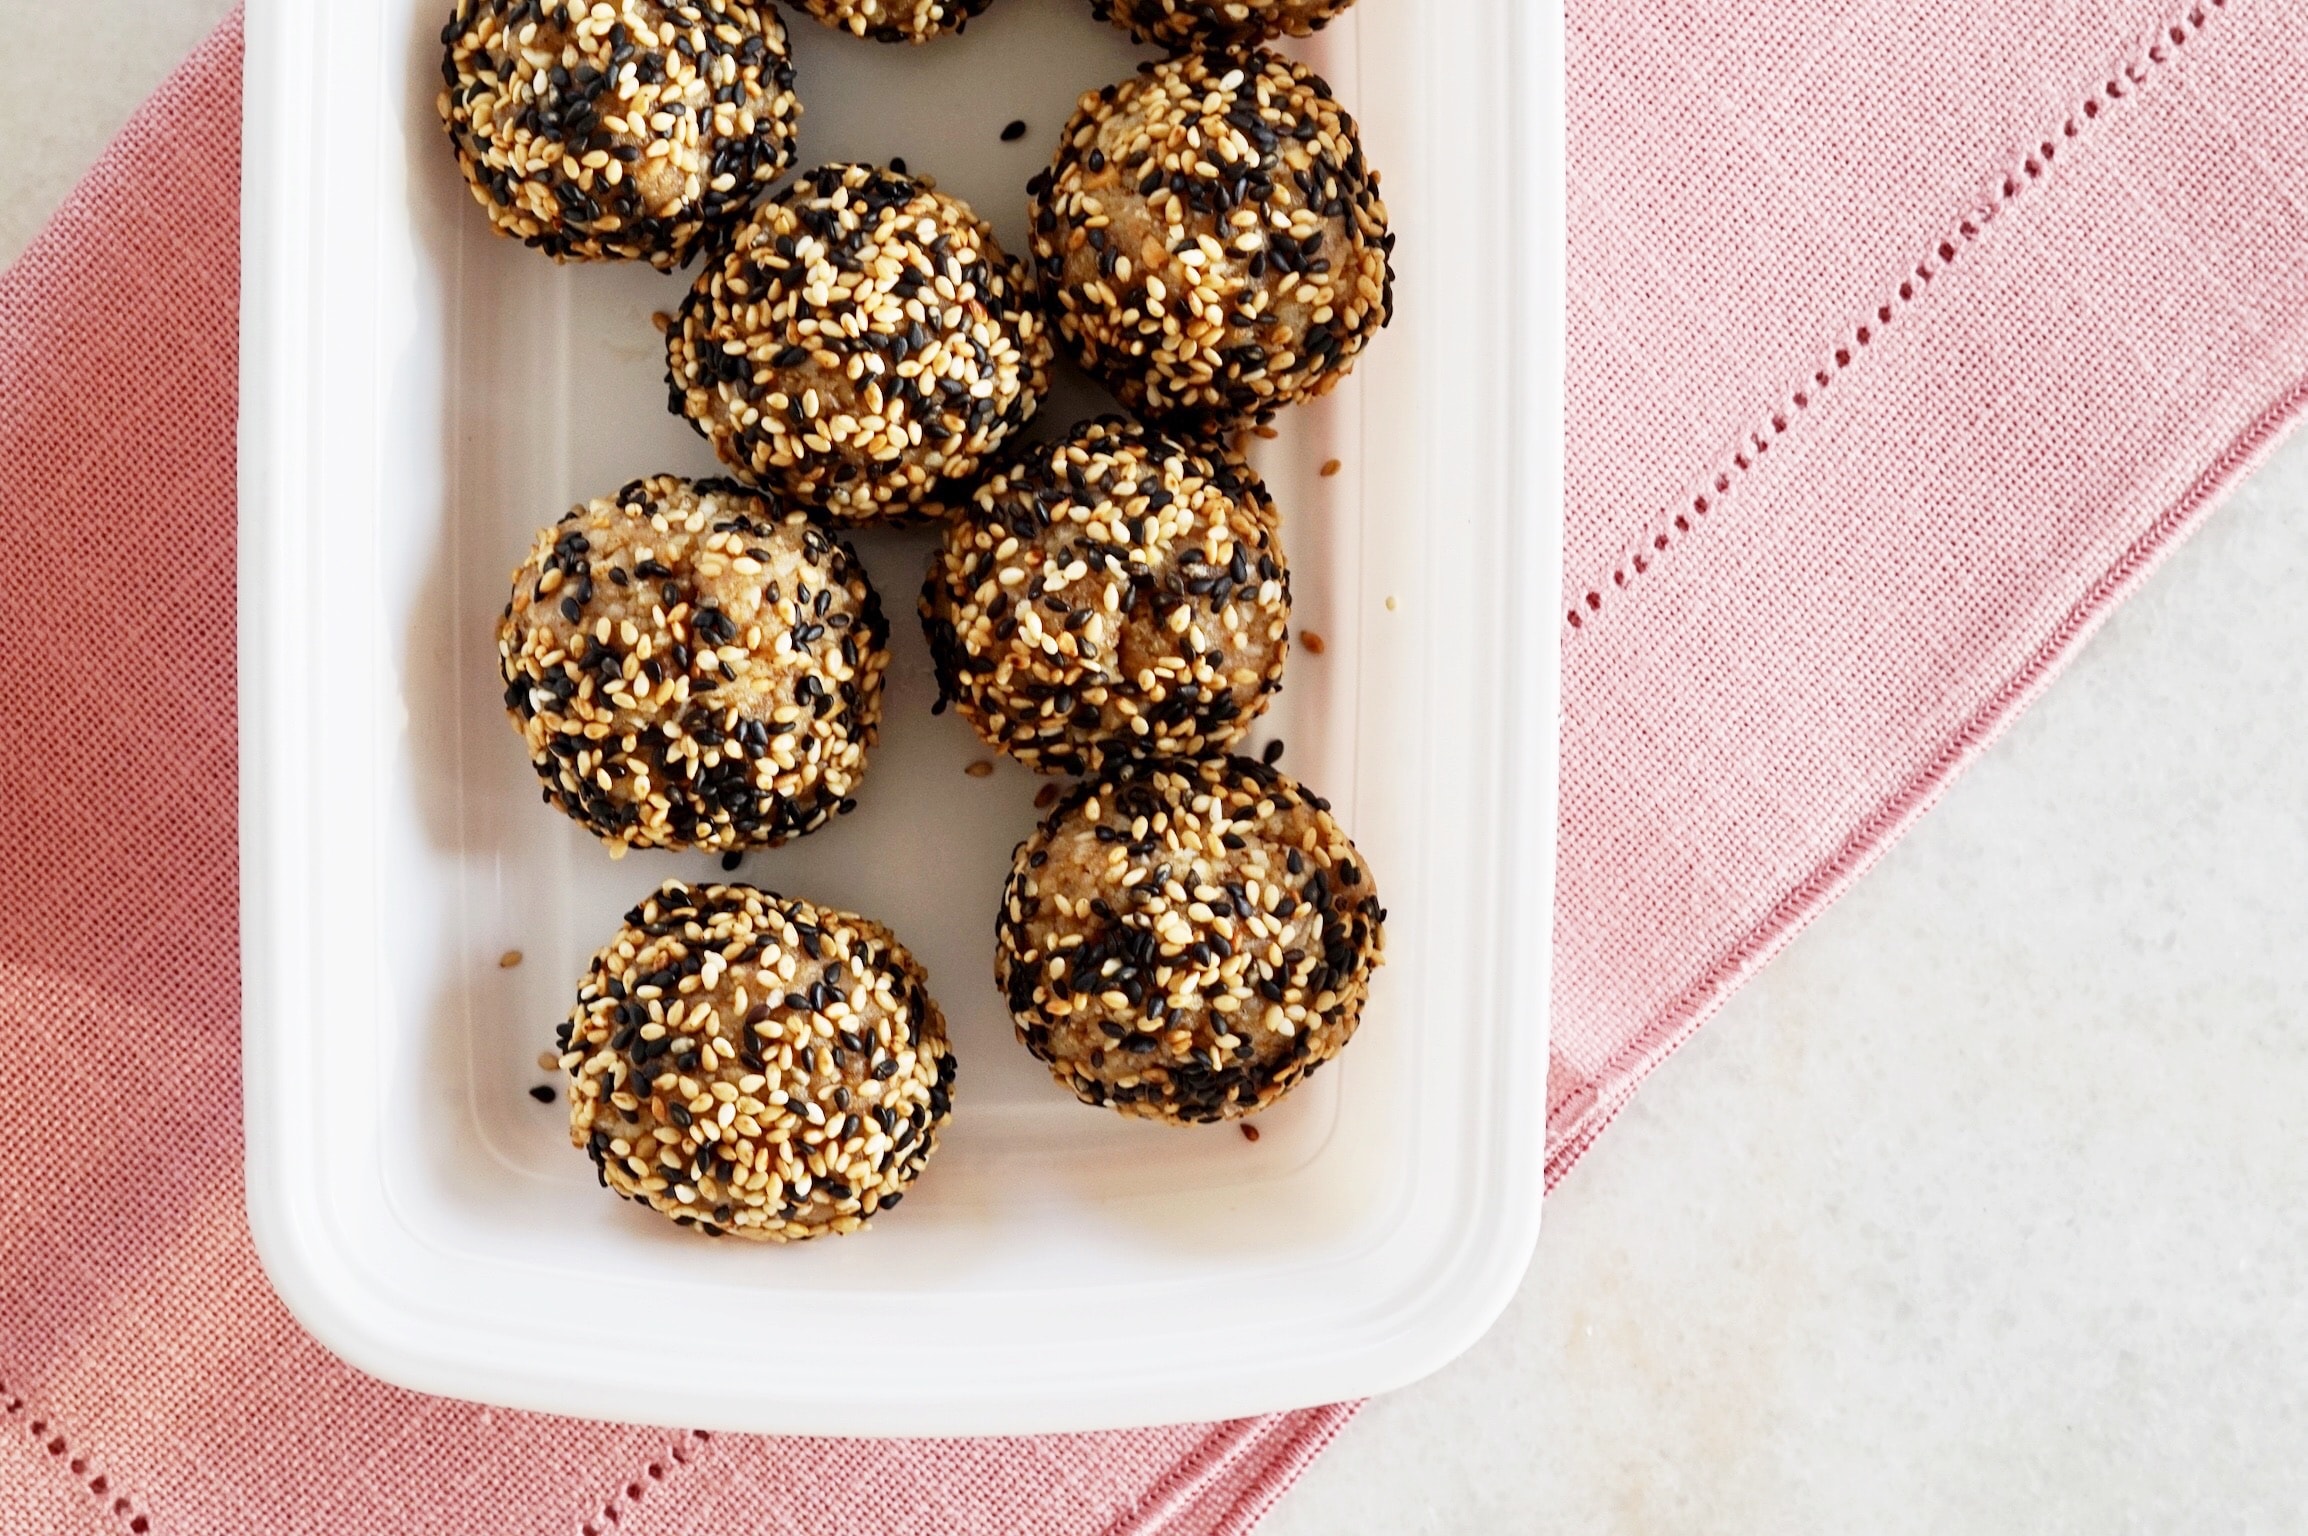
(1902,340)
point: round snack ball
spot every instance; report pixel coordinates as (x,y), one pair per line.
(859,344)
(1186,940)
(1116,594)
(894,21)
(617,128)
(755,1065)
(692,668)
(1213,244)
(1217,23)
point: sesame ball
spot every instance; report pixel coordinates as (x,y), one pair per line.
(1217,23)
(692,668)
(630,129)
(755,1065)
(1115,594)
(1212,244)
(860,344)
(1185,941)
(894,21)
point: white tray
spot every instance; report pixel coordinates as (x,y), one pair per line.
(419,395)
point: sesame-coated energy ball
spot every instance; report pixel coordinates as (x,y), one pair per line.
(1185,941)
(1115,594)
(1212,244)
(692,668)
(1217,23)
(755,1065)
(860,344)
(894,21)
(617,128)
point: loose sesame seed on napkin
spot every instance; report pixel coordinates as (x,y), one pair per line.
(1903,339)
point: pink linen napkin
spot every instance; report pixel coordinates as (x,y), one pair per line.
(1904,338)
(1902,341)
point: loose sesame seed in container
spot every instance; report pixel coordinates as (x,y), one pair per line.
(893,21)
(1187,941)
(756,1065)
(1211,240)
(617,129)
(1182,24)
(1114,594)
(691,667)
(860,346)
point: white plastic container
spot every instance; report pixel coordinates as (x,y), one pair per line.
(419,396)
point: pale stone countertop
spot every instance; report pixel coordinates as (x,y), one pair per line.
(1984,1207)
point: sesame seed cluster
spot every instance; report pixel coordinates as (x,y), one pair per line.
(1185,24)
(1115,594)
(1186,940)
(1212,242)
(617,128)
(755,1065)
(692,668)
(894,21)
(859,345)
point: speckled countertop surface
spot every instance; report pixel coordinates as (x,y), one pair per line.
(1984,1207)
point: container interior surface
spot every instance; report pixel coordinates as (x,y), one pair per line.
(425,395)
